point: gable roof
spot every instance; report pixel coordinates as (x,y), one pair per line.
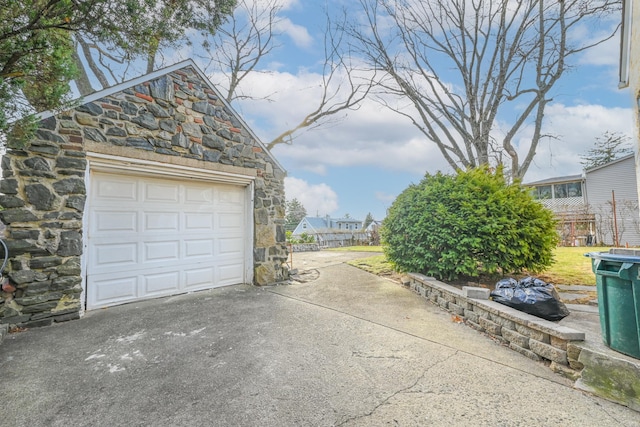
(612,162)
(159,73)
(316,222)
(324,224)
(555,180)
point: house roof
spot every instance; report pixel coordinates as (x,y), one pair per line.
(316,222)
(154,75)
(613,162)
(555,180)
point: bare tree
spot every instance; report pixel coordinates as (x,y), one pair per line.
(238,47)
(251,35)
(626,218)
(465,66)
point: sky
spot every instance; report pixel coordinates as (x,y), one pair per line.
(358,164)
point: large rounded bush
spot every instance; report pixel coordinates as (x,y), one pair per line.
(468,224)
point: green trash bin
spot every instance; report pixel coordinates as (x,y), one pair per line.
(618,285)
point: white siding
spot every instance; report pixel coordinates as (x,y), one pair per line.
(620,177)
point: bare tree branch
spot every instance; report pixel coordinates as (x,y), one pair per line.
(464,65)
(343,87)
(237,48)
(240,47)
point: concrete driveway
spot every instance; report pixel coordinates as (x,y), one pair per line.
(345,349)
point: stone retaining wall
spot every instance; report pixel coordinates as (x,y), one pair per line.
(305,247)
(531,336)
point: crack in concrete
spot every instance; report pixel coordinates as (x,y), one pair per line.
(398,392)
(595,402)
(365,356)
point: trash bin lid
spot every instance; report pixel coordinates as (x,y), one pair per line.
(606,256)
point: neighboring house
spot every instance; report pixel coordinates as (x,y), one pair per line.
(630,64)
(566,197)
(373,232)
(373,226)
(583,204)
(331,232)
(609,184)
(152,187)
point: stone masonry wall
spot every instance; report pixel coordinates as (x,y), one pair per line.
(43,190)
(531,336)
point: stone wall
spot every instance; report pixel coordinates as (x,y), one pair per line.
(305,247)
(176,117)
(529,335)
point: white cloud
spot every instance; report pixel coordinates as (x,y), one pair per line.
(385,198)
(606,53)
(297,33)
(317,199)
(376,137)
(372,135)
(576,129)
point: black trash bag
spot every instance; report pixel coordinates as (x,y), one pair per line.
(531,295)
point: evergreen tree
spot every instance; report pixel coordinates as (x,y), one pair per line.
(368,220)
(37,51)
(608,147)
(294,213)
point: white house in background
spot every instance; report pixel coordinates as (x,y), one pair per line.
(373,226)
(332,232)
(630,64)
(583,204)
(615,183)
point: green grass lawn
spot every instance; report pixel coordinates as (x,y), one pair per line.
(570,266)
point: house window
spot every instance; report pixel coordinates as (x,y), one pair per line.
(572,189)
(544,192)
(304,225)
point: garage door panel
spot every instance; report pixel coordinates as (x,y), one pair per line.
(109,221)
(230,221)
(162,221)
(195,248)
(228,196)
(230,246)
(199,195)
(161,284)
(113,290)
(152,237)
(196,221)
(116,189)
(228,273)
(200,278)
(161,192)
(115,255)
(168,250)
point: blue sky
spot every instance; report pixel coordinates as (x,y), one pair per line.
(362,162)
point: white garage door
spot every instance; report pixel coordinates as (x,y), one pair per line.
(150,237)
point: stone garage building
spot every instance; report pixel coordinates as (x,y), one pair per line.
(150,188)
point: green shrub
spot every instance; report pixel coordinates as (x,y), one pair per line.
(307,238)
(301,238)
(468,224)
